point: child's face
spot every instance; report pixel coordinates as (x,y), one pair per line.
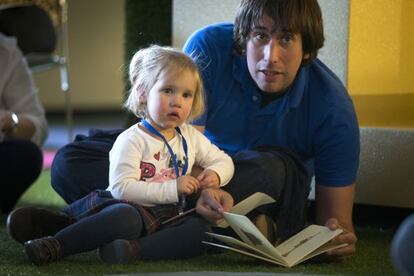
(171,98)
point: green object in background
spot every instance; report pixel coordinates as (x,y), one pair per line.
(147,22)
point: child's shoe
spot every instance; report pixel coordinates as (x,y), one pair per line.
(29,223)
(43,251)
(119,251)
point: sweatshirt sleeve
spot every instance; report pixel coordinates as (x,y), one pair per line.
(209,156)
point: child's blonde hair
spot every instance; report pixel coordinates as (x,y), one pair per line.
(144,70)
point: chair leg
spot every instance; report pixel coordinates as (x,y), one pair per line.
(64,85)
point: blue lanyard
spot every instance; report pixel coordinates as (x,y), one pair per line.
(173,157)
(182,201)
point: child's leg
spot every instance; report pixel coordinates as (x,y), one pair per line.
(118,221)
(178,241)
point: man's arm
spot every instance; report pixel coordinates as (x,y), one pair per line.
(334,210)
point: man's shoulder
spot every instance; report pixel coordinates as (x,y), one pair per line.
(215,29)
(219,33)
(323,81)
(7,45)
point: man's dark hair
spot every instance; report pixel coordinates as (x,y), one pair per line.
(296,16)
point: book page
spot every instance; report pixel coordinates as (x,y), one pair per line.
(239,245)
(248,204)
(306,242)
(322,249)
(271,260)
(248,233)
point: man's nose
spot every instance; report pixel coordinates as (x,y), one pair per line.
(272,51)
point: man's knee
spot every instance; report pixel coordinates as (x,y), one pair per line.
(74,173)
(256,172)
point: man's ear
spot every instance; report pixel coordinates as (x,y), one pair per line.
(305,59)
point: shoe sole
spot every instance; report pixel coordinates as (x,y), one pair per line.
(18,223)
(31,254)
(28,223)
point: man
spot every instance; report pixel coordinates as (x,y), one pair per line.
(265,86)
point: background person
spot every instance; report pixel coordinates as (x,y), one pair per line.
(23,126)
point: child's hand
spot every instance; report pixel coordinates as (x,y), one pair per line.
(187,185)
(208,179)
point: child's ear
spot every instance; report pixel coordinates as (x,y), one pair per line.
(142,96)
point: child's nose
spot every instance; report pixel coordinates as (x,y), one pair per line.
(176,101)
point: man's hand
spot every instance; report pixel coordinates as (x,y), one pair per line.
(208,179)
(346,236)
(334,210)
(187,185)
(212,203)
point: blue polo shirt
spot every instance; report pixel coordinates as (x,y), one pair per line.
(315,119)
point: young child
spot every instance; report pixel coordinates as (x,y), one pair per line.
(150,173)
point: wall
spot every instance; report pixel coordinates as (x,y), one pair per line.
(96,47)
(381,62)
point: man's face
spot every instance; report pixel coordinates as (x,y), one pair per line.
(273,56)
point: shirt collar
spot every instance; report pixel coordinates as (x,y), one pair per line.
(293,96)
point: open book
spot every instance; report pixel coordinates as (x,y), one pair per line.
(306,244)
(243,207)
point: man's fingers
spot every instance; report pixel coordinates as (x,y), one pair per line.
(209,214)
(341,252)
(226,201)
(346,237)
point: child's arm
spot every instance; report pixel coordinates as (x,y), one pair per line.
(218,166)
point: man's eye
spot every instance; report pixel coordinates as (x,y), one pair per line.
(287,38)
(261,37)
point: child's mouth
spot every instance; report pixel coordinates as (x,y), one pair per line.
(173,115)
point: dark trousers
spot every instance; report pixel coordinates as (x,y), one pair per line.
(178,240)
(20,165)
(82,167)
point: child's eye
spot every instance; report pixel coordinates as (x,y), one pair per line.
(167,91)
(188,95)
